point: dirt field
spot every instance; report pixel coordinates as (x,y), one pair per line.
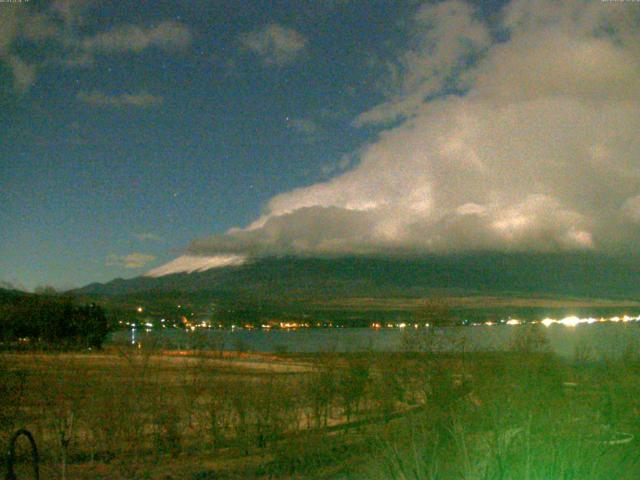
(173,415)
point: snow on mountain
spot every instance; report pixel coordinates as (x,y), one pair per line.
(195,263)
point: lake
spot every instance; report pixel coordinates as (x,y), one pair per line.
(597,339)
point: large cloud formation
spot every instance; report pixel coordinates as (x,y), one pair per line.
(526,143)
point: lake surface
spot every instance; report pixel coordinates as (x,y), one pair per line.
(596,340)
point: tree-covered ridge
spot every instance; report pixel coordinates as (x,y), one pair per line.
(52,320)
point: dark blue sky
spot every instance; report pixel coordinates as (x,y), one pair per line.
(79,180)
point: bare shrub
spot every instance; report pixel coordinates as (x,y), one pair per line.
(387,388)
(529,338)
(320,392)
(168,432)
(352,381)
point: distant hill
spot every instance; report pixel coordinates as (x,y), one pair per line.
(10,295)
(561,275)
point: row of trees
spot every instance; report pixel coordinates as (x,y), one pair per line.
(54,320)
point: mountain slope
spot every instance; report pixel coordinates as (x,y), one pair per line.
(288,277)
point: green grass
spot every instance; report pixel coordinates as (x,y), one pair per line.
(527,417)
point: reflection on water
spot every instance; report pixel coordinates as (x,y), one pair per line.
(597,338)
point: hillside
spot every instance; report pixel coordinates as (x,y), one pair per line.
(577,275)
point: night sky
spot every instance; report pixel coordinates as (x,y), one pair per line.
(137,132)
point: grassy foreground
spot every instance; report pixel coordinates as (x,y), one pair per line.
(173,415)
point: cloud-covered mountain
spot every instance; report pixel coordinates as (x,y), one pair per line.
(516,134)
(577,274)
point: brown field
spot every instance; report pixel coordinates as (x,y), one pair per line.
(172,415)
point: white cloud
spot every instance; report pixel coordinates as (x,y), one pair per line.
(541,153)
(148,236)
(443,37)
(70,12)
(21,22)
(8,26)
(57,29)
(337,166)
(134,38)
(100,99)
(133,260)
(24,75)
(38,26)
(277,45)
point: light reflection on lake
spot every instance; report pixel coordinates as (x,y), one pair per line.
(597,340)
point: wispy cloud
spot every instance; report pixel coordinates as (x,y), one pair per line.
(444,36)
(305,126)
(134,38)
(57,28)
(331,168)
(24,74)
(148,236)
(100,99)
(275,44)
(133,260)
